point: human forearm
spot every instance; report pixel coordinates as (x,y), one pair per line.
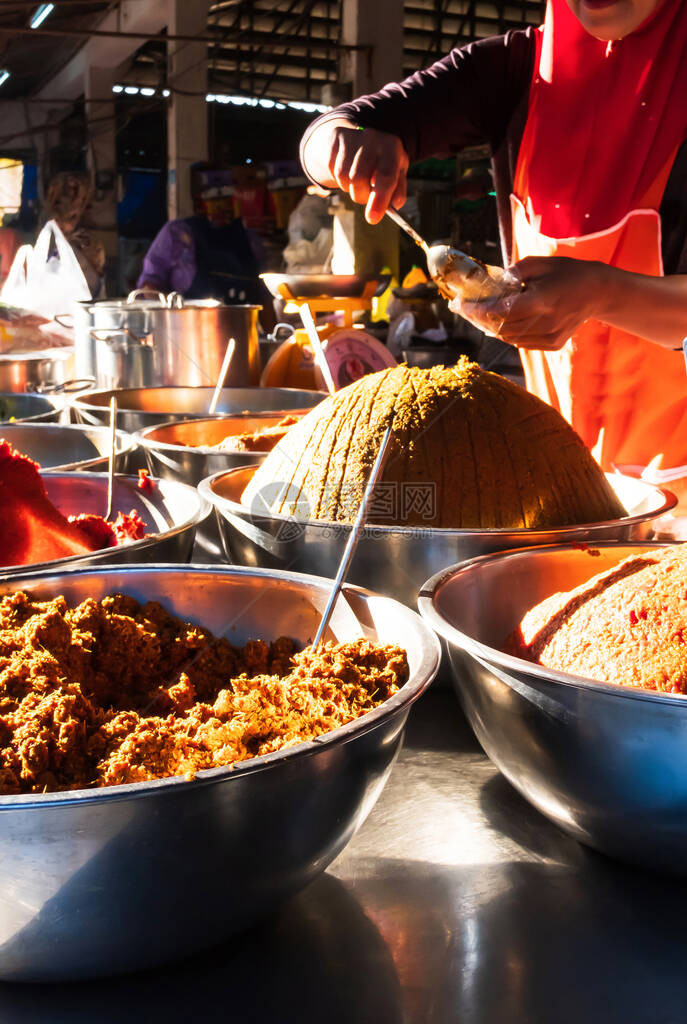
(431,113)
(466,98)
(654,308)
(369,165)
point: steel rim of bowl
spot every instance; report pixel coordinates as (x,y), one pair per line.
(146,305)
(128,444)
(38,417)
(205,487)
(409,692)
(490,656)
(8,573)
(352,285)
(81,401)
(142,438)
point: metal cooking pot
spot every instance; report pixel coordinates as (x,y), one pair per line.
(122,357)
(35,371)
(187,341)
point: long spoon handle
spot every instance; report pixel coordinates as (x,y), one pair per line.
(354,537)
(224,370)
(113,456)
(403,224)
(318,351)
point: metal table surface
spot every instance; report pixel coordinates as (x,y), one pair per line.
(456,902)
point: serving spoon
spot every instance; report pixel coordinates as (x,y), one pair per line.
(457,275)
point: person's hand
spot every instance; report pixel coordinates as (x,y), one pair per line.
(560,294)
(369,165)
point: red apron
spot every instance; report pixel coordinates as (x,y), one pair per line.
(626,397)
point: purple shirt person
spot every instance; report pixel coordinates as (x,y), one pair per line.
(170,263)
(199,259)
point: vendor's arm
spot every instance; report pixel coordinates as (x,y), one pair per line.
(467,98)
(562,293)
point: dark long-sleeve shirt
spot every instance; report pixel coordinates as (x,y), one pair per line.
(478,94)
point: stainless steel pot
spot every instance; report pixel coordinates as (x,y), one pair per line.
(122,359)
(119,879)
(604,762)
(187,341)
(35,371)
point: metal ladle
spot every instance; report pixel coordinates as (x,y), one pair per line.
(457,275)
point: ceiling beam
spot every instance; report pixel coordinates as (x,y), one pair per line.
(148,16)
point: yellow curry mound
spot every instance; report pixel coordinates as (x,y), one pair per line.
(469,449)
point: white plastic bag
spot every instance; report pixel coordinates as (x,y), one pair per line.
(42,282)
(15,282)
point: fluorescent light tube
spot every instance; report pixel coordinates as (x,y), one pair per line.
(40,14)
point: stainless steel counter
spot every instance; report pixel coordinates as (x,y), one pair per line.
(455,904)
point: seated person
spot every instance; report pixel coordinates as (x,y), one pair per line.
(205,259)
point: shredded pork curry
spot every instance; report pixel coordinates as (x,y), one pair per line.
(111,692)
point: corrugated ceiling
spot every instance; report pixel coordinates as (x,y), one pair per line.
(273,48)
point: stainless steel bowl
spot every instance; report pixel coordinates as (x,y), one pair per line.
(16,408)
(397,560)
(172,512)
(184,450)
(603,762)
(313,286)
(67,448)
(111,880)
(144,407)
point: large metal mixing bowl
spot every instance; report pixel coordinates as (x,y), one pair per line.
(144,407)
(397,560)
(184,450)
(68,448)
(111,880)
(171,512)
(603,762)
(17,408)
